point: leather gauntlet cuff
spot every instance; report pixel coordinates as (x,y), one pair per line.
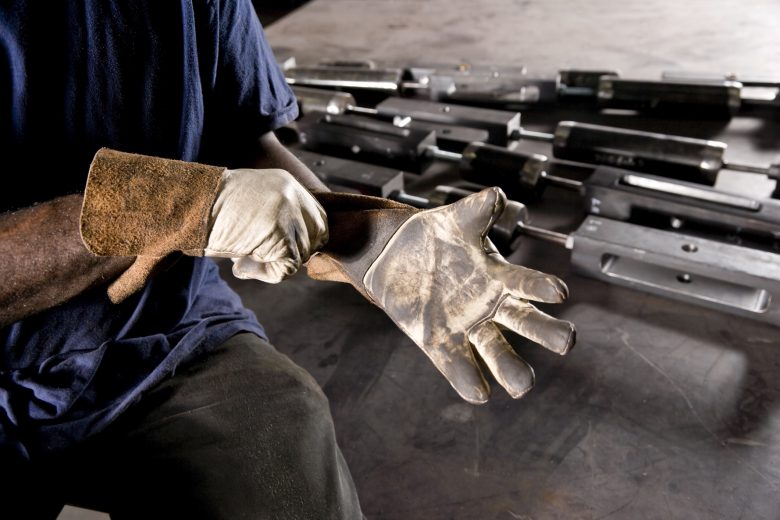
(149,207)
(360,228)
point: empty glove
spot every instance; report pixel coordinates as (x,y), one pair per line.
(438,277)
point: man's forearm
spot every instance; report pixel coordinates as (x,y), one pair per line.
(44,262)
(272,154)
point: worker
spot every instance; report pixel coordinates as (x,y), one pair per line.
(133,380)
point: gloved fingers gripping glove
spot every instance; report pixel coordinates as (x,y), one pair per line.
(150,208)
(437,276)
(266,222)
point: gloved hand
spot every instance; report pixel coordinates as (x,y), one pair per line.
(154,208)
(266,222)
(438,277)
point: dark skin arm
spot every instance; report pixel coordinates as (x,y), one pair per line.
(271,153)
(44,262)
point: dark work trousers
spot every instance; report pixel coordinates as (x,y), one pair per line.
(242,433)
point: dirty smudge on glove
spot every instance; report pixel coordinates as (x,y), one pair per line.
(438,280)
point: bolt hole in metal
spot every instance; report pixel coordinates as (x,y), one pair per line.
(695,287)
(320,162)
(684,278)
(690,248)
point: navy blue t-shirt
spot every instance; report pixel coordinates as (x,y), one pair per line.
(191,80)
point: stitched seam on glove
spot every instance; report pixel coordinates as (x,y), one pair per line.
(352,257)
(492,314)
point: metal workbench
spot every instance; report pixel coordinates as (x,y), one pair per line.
(663,409)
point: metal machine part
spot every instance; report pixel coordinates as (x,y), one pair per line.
(680,157)
(567,85)
(367,79)
(710,97)
(350,64)
(480,84)
(448,137)
(461,70)
(716,99)
(470,77)
(501,125)
(313,100)
(346,175)
(582,82)
(503,95)
(730,278)
(419,71)
(522,175)
(747,80)
(366,139)
(462,83)
(386,80)
(685,158)
(623,195)
(756,90)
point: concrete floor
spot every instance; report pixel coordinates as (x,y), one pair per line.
(664,410)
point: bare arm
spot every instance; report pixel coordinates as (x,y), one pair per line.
(271,153)
(44,262)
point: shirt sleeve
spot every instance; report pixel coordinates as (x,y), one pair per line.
(250,96)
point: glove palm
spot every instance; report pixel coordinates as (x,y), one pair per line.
(442,282)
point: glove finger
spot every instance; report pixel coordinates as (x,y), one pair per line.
(528,321)
(510,370)
(302,238)
(526,283)
(284,249)
(317,227)
(476,213)
(311,237)
(247,268)
(457,364)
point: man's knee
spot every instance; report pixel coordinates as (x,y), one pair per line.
(278,384)
(253,434)
(290,459)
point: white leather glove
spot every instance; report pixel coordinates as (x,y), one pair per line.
(439,278)
(266,222)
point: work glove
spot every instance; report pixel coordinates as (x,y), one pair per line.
(153,208)
(438,277)
(266,222)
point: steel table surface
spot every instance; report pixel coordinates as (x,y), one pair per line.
(663,409)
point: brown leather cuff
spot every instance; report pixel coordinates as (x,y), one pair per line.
(140,205)
(359,228)
(135,205)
